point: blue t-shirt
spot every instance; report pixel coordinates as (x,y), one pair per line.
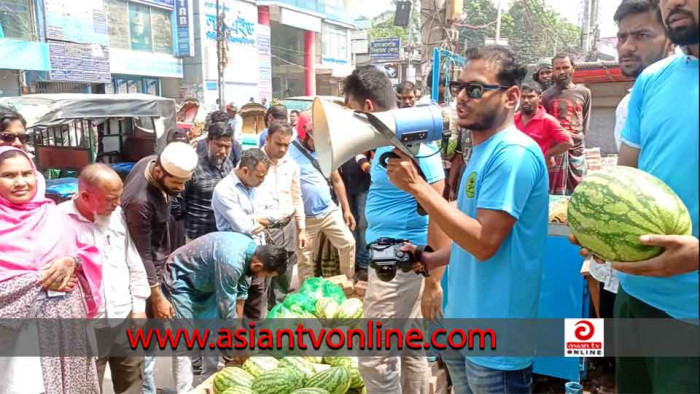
(262,138)
(314,187)
(391,212)
(505,173)
(662,122)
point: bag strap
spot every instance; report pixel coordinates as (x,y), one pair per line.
(312,159)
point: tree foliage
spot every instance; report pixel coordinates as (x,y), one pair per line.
(533,30)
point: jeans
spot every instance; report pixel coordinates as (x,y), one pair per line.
(149,377)
(357,207)
(182,372)
(468,378)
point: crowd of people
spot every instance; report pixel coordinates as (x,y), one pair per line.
(208,230)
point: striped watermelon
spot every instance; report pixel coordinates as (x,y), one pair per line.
(231,377)
(320,367)
(257,365)
(611,209)
(336,380)
(238,390)
(300,364)
(356,381)
(313,359)
(278,381)
(348,362)
(311,390)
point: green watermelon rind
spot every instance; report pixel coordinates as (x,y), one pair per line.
(356,381)
(311,390)
(607,214)
(278,381)
(300,364)
(336,380)
(231,377)
(258,365)
(239,390)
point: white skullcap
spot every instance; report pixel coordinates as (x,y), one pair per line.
(179,159)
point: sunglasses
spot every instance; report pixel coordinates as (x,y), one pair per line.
(9,138)
(474,90)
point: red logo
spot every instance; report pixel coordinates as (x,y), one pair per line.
(584,330)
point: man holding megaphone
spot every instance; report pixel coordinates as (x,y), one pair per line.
(499,226)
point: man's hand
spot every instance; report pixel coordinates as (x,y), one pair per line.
(57,274)
(431,301)
(585,253)
(162,308)
(403,173)
(349,219)
(679,257)
(551,162)
(301,239)
(263,222)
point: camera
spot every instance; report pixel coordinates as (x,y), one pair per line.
(385,256)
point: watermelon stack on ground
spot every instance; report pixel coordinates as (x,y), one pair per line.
(232,377)
(611,209)
(279,381)
(336,380)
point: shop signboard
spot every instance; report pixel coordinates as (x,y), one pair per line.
(385,49)
(158,3)
(74,62)
(185,28)
(80,21)
(265,62)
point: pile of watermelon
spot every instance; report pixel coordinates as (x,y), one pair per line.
(291,375)
(316,299)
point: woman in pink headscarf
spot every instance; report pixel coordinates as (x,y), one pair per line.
(45,273)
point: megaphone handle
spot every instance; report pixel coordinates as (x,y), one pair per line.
(383,161)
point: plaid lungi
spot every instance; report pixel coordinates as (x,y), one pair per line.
(567,173)
(326,259)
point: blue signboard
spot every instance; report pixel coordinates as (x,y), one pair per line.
(185,33)
(160,3)
(385,49)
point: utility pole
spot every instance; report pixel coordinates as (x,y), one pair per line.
(586,28)
(436,30)
(220,52)
(498,24)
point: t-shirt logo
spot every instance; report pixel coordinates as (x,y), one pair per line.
(471,185)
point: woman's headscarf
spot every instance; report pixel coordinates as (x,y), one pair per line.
(36,232)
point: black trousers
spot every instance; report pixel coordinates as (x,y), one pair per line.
(127,377)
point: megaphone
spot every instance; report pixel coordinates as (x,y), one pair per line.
(341,133)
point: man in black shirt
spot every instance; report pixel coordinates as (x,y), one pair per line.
(217,158)
(146,204)
(355,174)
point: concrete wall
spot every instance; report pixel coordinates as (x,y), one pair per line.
(606,96)
(9,83)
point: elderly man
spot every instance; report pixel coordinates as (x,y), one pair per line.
(239,208)
(208,279)
(146,203)
(282,188)
(100,221)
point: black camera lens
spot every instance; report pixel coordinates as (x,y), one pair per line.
(385,271)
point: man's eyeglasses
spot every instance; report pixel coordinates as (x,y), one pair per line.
(9,138)
(475,90)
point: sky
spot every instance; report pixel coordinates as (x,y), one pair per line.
(569,9)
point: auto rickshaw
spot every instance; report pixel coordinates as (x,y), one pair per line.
(70,131)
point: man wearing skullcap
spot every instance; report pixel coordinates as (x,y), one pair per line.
(148,191)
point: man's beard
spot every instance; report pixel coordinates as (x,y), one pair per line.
(562,83)
(102,221)
(527,112)
(685,35)
(215,161)
(168,191)
(486,123)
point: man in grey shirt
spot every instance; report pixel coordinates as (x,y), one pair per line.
(239,208)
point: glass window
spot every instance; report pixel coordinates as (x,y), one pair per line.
(16,19)
(118,21)
(140,27)
(335,43)
(162,30)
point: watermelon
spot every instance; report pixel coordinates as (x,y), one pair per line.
(239,390)
(256,366)
(311,390)
(336,380)
(611,209)
(318,367)
(349,362)
(300,364)
(314,359)
(231,377)
(278,381)
(350,309)
(326,308)
(356,381)
(361,390)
